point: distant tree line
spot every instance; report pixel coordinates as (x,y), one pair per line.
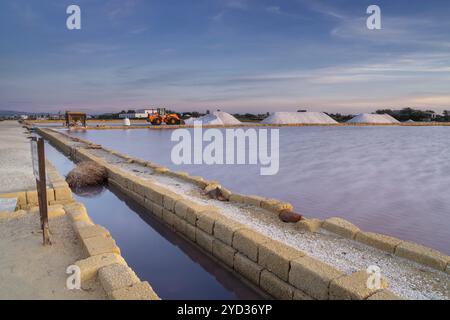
(406,114)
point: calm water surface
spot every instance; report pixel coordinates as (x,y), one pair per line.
(393,180)
(174,267)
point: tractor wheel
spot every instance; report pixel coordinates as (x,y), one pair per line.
(172,121)
(156,122)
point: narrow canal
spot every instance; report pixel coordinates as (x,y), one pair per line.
(175,268)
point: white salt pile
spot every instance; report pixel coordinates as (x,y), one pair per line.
(216,118)
(299,118)
(373,118)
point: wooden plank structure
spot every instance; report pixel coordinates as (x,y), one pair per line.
(74,118)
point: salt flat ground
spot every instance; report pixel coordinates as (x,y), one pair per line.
(16,172)
(28,270)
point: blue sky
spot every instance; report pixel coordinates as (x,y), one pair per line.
(236,55)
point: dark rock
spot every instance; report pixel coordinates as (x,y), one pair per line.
(289,216)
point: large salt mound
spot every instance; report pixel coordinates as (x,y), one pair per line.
(373,118)
(216,118)
(298,118)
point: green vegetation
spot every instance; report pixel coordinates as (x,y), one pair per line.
(406,114)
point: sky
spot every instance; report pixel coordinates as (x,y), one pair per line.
(235,55)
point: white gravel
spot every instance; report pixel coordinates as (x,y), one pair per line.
(216,118)
(373,118)
(299,118)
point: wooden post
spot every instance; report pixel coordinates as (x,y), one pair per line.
(38,155)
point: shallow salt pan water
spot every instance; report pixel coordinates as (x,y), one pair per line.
(393,180)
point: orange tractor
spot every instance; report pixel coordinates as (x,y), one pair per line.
(161,116)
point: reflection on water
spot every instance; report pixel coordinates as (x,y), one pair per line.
(174,267)
(393,180)
(89,191)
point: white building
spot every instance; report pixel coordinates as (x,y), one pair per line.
(139,114)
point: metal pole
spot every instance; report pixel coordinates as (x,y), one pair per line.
(42,193)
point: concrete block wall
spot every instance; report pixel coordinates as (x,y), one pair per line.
(280,270)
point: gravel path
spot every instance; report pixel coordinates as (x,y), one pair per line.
(16,172)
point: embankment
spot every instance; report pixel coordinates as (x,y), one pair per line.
(278,267)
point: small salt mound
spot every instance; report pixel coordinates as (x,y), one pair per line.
(373,118)
(216,118)
(299,118)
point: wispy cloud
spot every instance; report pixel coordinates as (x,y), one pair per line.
(116,9)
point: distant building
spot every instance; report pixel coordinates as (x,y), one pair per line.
(138,114)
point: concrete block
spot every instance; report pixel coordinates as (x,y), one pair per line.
(207,218)
(309,225)
(91,265)
(190,232)
(60,184)
(276,257)
(353,287)
(378,241)
(312,276)
(148,204)
(32,198)
(137,291)
(384,295)
(62,193)
(100,245)
(77,225)
(247,241)
(51,195)
(194,210)
(157,210)
(300,295)
(341,227)
(168,217)
(55,211)
(223,252)
(161,170)
(253,200)
(276,206)
(77,212)
(93,231)
(64,202)
(235,197)
(139,186)
(225,193)
(181,208)
(116,276)
(422,255)
(170,199)
(204,240)
(247,268)
(276,287)
(179,224)
(21,198)
(224,230)
(155,193)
